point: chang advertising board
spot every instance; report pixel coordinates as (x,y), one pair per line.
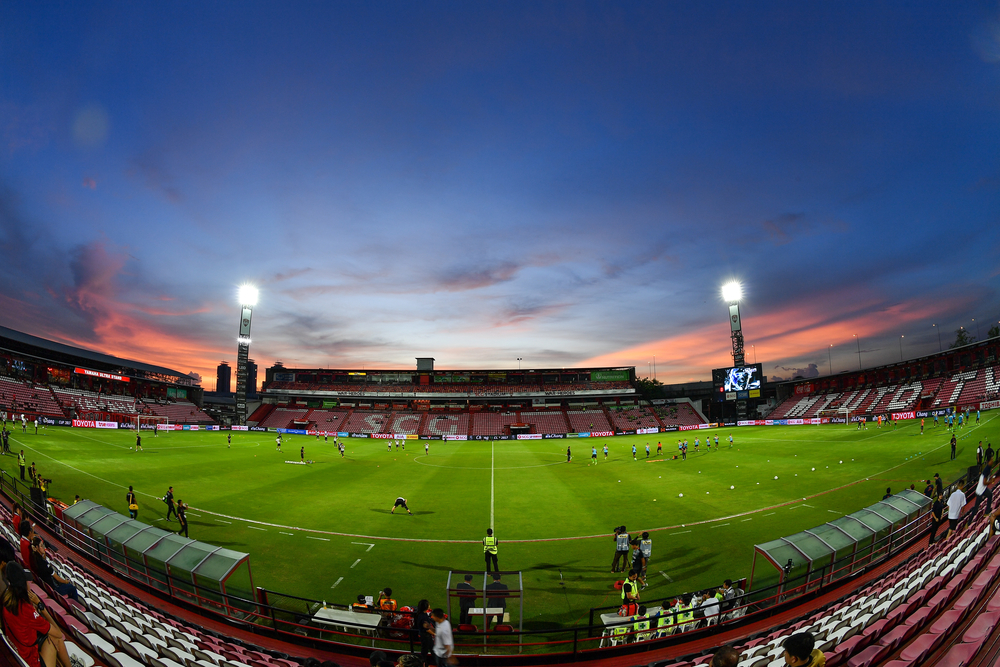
(738,382)
(609,376)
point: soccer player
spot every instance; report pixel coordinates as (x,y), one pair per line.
(326,436)
(400,502)
(935,420)
(342,448)
(593,455)
(229,440)
(569,454)
(659,448)
(397,444)
(954,445)
(921,426)
(302,454)
(388,446)
(696,444)
(138,442)
(977,416)
(730,441)
(633,452)
(716,441)
(277,442)
(605,452)
(647,450)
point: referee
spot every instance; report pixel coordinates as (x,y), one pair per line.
(490,550)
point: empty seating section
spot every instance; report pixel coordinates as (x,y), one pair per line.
(18,396)
(491,423)
(327,420)
(952,388)
(181,412)
(88,401)
(586,421)
(978,388)
(454,424)
(367,421)
(405,422)
(546,422)
(107,627)
(905,397)
(282,417)
(679,414)
(630,419)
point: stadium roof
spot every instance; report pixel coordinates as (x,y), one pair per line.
(52,346)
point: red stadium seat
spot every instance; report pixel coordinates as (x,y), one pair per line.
(920,647)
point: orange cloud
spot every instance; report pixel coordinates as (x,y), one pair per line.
(792,332)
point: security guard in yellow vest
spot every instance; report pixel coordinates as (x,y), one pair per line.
(490,550)
(20,464)
(630,594)
(641,625)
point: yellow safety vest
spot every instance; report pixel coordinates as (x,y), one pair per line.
(630,583)
(490,545)
(685,614)
(666,619)
(641,623)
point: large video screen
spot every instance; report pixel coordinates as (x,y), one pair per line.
(738,379)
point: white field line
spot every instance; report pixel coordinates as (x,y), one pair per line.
(337,582)
(322,539)
(355,563)
(368,544)
(666,577)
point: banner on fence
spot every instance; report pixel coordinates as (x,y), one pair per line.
(89,423)
(237,427)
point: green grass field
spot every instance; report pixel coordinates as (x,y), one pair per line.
(310,529)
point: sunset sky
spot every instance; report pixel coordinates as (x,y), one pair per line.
(569,183)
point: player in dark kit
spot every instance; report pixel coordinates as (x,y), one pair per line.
(400,502)
(229,440)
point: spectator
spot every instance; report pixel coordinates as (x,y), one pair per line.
(929,489)
(409,660)
(726,656)
(709,607)
(496,596)
(466,599)
(27,532)
(29,625)
(888,494)
(376,656)
(424,624)
(444,643)
(728,593)
(43,570)
(937,515)
(801,651)
(15,518)
(956,501)
(983,490)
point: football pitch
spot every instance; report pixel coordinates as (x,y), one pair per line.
(324,530)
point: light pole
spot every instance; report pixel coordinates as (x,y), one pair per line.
(978,336)
(248,299)
(754,348)
(732,292)
(654,366)
(519,363)
(901,348)
(940,349)
(859,350)
(829,357)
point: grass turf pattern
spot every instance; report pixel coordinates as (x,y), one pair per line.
(310,528)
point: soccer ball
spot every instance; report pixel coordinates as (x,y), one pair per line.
(776,477)
(841,461)
(731,488)
(706,493)
(680,495)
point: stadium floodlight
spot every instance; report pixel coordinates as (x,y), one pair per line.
(732,292)
(248,295)
(248,299)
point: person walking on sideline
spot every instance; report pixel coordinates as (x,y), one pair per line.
(182,518)
(444,642)
(169,500)
(490,550)
(133,505)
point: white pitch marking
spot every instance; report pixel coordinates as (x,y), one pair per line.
(666,577)
(337,582)
(809,506)
(284,533)
(679,533)
(193,514)
(355,563)
(771,514)
(370,545)
(219,520)
(746,520)
(256,528)
(322,539)
(834,512)
(720,525)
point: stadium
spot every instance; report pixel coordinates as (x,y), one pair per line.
(402,334)
(286,542)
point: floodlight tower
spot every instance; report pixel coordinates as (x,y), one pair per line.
(248,299)
(732,293)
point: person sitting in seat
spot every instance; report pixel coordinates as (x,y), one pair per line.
(801,651)
(43,570)
(361,605)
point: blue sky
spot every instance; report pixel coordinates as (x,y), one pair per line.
(568,183)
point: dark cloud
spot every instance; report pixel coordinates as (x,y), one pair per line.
(463,278)
(809,371)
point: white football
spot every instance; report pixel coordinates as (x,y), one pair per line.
(680,495)
(731,488)
(776,477)
(814,469)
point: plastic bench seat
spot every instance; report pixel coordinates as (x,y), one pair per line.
(897,636)
(959,655)
(948,621)
(921,647)
(869,656)
(981,628)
